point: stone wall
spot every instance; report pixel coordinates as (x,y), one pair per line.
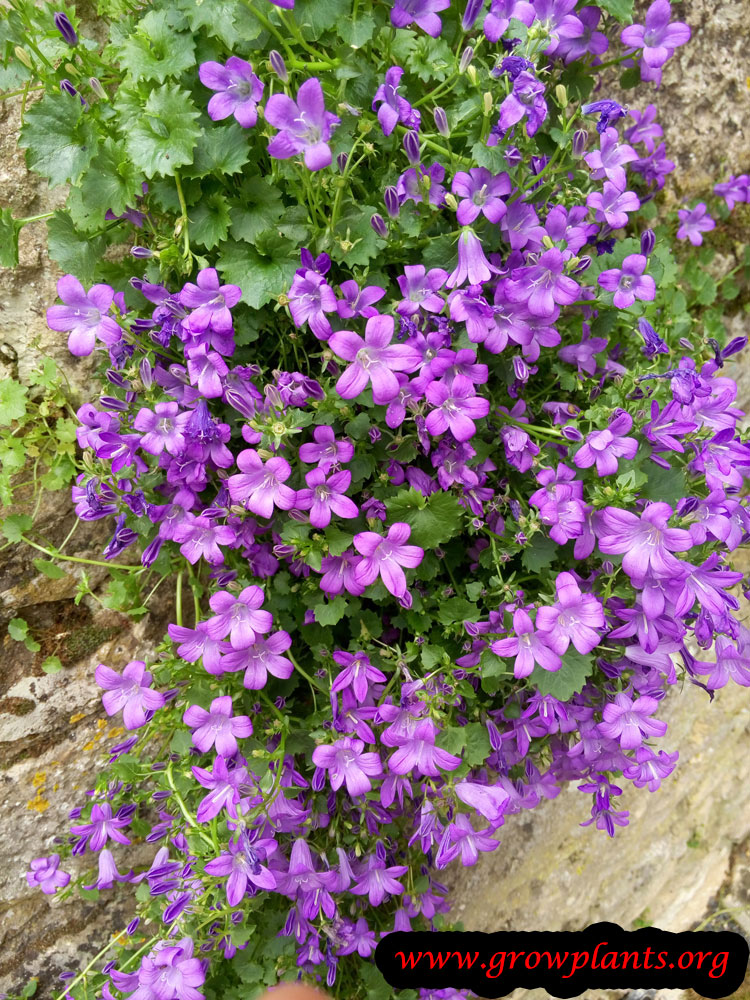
(685,852)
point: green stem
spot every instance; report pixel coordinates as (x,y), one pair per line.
(189,818)
(308,678)
(18,93)
(183,209)
(82,974)
(350,165)
(35,218)
(178,599)
(77,559)
(291,25)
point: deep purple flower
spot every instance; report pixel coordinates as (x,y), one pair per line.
(259,486)
(645,542)
(653,342)
(628,721)
(357,674)
(304,125)
(393,108)
(629,282)
(45,874)
(130,692)
(83,315)
(239,90)
(607,110)
(456,408)
(374,360)
(412,183)
(162,428)
(242,864)
(217,726)
(693,223)
(325,496)
(101,826)
(590,40)
(385,557)
(346,762)
(658,38)
(421,12)
(480,192)
(526,99)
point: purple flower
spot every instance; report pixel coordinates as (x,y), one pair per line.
(645,543)
(357,674)
(456,408)
(653,342)
(358,301)
(734,190)
(374,359)
(347,763)
(628,721)
(574,617)
(419,288)
(460,838)
(108,873)
(480,191)
(66,29)
(301,878)
(646,128)
(171,973)
(612,205)
(101,826)
(491,801)
(217,726)
(526,98)
(591,40)
(385,557)
(410,185)
(239,90)
(731,663)
(310,297)
(530,646)
(472,267)
(239,617)
(607,110)
(201,536)
(629,282)
(259,486)
(211,302)
(162,429)
(242,864)
(694,222)
(324,496)
(648,769)
(260,659)
(223,786)
(326,450)
(83,315)
(46,875)
(421,12)
(543,286)
(303,126)
(608,160)
(130,692)
(393,108)
(417,750)
(658,38)
(606,446)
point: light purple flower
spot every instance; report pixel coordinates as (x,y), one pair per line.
(526,99)
(210,302)
(101,826)
(417,750)
(217,726)
(358,301)
(612,204)
(460,838)
(45,874)
(374,359)
(693,223)
(325,496)
(223,786)
(419,288)
(605,447)
(259,486)
(734,190)
(498,19)
(304,125)
(239,90)
(310,298)
(574,617)
(480,192)
(530,646)
(326,450)
(83,315)
(492,801)
(456,408)
(162,428)
(421,12)
(629,282)
(608,160)
(472,267)
(357,674)
(628,721)
(732,663)
(385,557)
(646,128)
(658,38)
(130,692)
(544,286)
(645,542)
(591,40)
(202,537)
(394,108)
(346,762)
(241,617)
(260,659)
(108,873)
(242,864)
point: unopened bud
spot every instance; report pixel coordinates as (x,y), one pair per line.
(452,202)
(471,72)
(273,396)
(562,95)
(141,253)
(67,88)
(378,224)
(547,242)
(466,56)
(22,56)
(392,202)
(411,147)
(96,86)
(278,65)
(146,372)
(583,264)
(471,13)
(648,242)
(341,161)
(487,103)
(441,122)
(66,29)
(580,138)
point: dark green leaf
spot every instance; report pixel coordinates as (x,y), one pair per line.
(456,610)
(111,182)
(157,50)
(665,484)
(220,150)
(434,520)
(9,230)
(539,553)
(60,139)
(261,279)
(209,220)
(49,569)
(477,744)
(568,680)
(256,210)
(76,253)
(330,612)
(161,136)
(14,526)
(621,10)
(12,401)
(316,16)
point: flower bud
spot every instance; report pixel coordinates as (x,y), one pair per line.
(648,242)
(278,65)
(411,147)
(584,263)
(66,29)
(580,138)
(392,203)
(571,433)
(608,567)
(452,202)
(96,86)
(67,88)
(547,242)
(441,122)
(23,56)
(141,253)
(562,95)
(378,224)
(471,72)
(341,161)
(487,103)
(146,372)
(466,56)
(471,13)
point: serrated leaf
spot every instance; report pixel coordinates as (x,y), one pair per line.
(12,401)
(433,520)
(668,485)
(490,157)
(220,150)
(76,253)
(568,680)
(162,136)
(316,16)
(477,744)
(219,18)
(338,540)
(14,526)
(261,279)
(111,182)
(331,612)
(457,609)
(357,33)
(355,240)
(621,10)
(539,553)
(452,739)
(256,210)
(209,220)
(157,50)
(60,139)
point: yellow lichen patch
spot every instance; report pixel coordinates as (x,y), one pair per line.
(101,723)
(39,779)
(38,803)
(115,732)
(76,717)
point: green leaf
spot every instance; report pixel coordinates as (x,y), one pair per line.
(226,20)
(358,427)
(9,230)
(568,680)
(338,540)
(209,220)
(18,629)
(621,10)
(540,553)
(156,50)
(12,401)
(357,33)
(261,279)
(221,151)
(52,665)
(162,135)
(61,140)
(452,739)
(49,569)
(430,655)
(331,612)
(356,241)
(434,520)
(14,526)
(257,209)
(77,253)
(477,744)
(490,157)
(316,16)
(457,609)
(111,182)
(665,484)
